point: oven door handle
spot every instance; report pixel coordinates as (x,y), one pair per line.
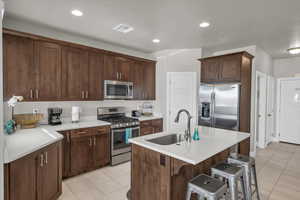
(123,129)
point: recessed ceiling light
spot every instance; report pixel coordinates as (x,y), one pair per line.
(204,24)
(156,40)
(77,13)
(123,28)
(294,51)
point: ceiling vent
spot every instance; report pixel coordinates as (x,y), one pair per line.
(123,28)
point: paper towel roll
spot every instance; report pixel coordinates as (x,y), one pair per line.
(75,114)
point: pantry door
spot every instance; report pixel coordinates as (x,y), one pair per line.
(289,111)
(181,94)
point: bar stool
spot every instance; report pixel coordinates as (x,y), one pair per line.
(206,187)
(248,164)
(232,174)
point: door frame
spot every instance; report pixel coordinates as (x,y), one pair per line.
(258,143)
(269,77)
(277,104)
(195,114)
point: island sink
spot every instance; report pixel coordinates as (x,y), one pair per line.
(165,140)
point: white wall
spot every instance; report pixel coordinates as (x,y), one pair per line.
(286,67)
(38,29)
(176,60)
(262,62)
(1,113)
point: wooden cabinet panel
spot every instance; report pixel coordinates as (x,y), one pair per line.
(210,70)
(48,65)
(137,77)
(51,173)
(151,126)
(110,69)
(80,154)
(19,72)
(95,78)
(230,70)
(123,66)
(147,131)
(149,81)
(101,150)
(157,125)
(65,154)
(22,175)
(74,73)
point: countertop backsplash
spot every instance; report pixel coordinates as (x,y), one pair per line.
(88,108)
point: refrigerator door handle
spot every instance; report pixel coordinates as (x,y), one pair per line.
(212,109)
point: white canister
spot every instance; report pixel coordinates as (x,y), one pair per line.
(75,114)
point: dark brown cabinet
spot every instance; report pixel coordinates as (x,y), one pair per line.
(48,65)
(210,70)
(74,73)
(43,69)
(151,126)
(85,150)
(36,176)
(19,69)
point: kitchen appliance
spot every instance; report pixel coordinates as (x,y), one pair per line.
(54,116)
(75,114)
(136,113)
(118,90)
(219,106)
(147,109)
(120,127)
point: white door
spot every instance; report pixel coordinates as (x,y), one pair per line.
(270,129)
(261,89)
(182,94)
(290,111)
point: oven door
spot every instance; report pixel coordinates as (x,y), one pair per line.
(118,140)
(118,90)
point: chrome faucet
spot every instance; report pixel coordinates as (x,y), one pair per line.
(187,135)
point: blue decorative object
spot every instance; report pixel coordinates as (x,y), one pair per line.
(196,134)
(9,127)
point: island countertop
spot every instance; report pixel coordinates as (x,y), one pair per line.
(212,141)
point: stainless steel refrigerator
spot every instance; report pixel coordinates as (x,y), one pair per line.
(219,106)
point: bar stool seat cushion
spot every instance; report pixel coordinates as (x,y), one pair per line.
(211,185)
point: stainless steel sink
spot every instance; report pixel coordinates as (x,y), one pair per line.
(165,140)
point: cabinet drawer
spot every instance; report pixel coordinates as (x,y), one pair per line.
(101,130)
(146,123)
(157,123)
(147,131)
(80,133)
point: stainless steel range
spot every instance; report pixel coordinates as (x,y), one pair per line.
(122,128)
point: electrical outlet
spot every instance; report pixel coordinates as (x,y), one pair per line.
(35,110)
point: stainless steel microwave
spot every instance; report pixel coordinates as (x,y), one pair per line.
(118,90)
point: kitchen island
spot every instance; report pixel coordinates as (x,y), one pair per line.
(161,172)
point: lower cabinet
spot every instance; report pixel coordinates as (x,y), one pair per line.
(85,150)
(37,176)
(151,126)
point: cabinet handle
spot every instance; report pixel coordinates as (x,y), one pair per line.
(91,142)
(82,94)
(94,141)
(87,94)
(37,93)
(68,138)
(120,76)
(46,157)
(31,94)
(42,160)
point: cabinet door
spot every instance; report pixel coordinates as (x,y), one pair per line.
(81,154)
(95,86)
(101,148)
(51,172)
(149,81)
(110,69)
(123,66)
(147,130)
(74,73)
(137,77)
(157,125)
(65,154)
(231,68)
(18,67)
(210,70)
(22,177)
(48,63)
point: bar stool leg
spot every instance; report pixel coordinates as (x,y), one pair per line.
(255,181)
(244,188)
(189,194)
(200,197)
(233,189)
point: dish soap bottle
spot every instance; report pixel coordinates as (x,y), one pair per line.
(196,135)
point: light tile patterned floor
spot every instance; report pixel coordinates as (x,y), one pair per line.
(278,168)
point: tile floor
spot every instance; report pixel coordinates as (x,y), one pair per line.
(278,168)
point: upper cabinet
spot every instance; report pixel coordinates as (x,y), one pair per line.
(43,69)
(19,69)
(225,68)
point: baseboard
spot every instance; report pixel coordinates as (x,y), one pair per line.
(252,153)
(275,139)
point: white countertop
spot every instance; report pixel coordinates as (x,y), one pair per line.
(26,141)
(145,118)
(212,141)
